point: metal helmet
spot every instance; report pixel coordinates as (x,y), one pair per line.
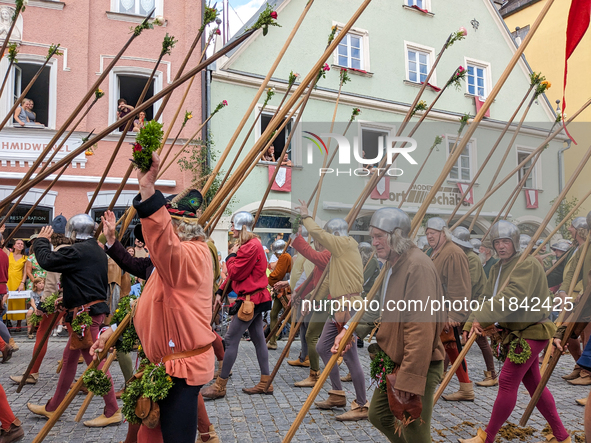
(562,245)
(461,236)
(80,227)
(538,243)
(505,229)
(476,244)
(524,240)
(337,226)
(436,223)
(365,247)
(580,223)
(278,246)
(422,243)
(389,219)
(243,218)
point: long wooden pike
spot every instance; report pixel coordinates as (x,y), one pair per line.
(556,354)
(535,237)
(555,265)
(37,352)
(90,395)
(502,162)
(68,158)
(73,115)
(519,166)
(275,122)
(17,11)
(126,129)
(13,208)
(180,106)
(74,390)
(235,159)
(28,88)
(187,143)
(255,100)
(562,222)
(569,296)
(490,154)
(417,220)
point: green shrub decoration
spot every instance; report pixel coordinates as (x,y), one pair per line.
(267,18)
(156,382)
(133,391)
(81,323)
(48,305)
(35,319)
(12,53)
(97,382)
(523,356)
(147,141)
(381,366)
(129,338)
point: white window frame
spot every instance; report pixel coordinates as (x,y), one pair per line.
(159,4)
(296,145)
(411,3)
(364,35)
(410,46)
(376,127)
(536,173)
(472,150)
(6,101)
(114,88)
(487,72)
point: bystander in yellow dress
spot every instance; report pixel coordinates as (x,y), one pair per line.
(16,270)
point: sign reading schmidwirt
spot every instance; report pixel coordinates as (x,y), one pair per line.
(22,149)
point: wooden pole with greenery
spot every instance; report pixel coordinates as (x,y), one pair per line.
(90,395)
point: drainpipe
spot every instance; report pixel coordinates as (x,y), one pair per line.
(561,167)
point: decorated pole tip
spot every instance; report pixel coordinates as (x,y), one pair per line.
(463,31)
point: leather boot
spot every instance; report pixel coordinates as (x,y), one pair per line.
(13,345)
(14,433)
(217,390)
(490,379)
(260,387)
(298,362)
(573,375)
(583,380)
(465,393)
(309,382)
(480,438)
(7,353)
(102,421)
(40,410)
(336,399)
(32,379)
(347,378)
(209,436)
(582,401)
(272,346)
(551,439)
(355,413)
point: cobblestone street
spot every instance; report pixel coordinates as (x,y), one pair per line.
(244,418)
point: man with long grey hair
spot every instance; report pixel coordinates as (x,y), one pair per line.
(408,337)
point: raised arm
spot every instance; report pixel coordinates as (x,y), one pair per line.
(320,259)
(60,260)
(133,265)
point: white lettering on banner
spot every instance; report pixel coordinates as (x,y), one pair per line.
(21,149)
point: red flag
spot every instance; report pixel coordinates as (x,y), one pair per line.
(579,18)
(479,104)
(531,198)
(469,197)
(282,182)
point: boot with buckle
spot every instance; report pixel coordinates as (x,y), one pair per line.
(217,390)
(356,412)
(336,399)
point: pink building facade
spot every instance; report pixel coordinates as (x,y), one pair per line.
(91,33)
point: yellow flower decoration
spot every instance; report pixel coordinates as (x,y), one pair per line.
(190,116)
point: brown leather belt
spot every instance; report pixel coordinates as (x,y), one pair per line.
(186,354)
(86,306)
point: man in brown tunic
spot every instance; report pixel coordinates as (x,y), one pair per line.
(408,335)
(454,272)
